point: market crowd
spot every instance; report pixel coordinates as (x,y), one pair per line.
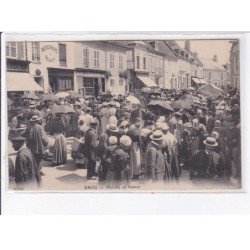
(151,138)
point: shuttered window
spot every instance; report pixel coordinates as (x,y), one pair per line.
(20,50)
(11,49)
(112,60)
(96,59)
(86,57)
(35,51)
(120,62)
(62,55)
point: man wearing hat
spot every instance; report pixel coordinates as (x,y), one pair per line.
(91,143)
(26,170)
(155,161)
(37,139)
(206,163)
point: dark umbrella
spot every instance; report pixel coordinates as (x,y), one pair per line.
(181,104)
(30,96)
(162,104)
(63,109)
(48,97)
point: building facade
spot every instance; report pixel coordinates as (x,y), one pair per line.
(90,68)
(235,65)
(214,72)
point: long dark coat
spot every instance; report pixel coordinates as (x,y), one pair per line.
(26,170)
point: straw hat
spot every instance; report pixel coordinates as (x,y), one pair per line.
(216,134)
(125,140)
(112,127)
(210,141)
(112,140)
(35,118)
(157,135)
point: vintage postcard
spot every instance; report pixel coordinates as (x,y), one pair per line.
(122,115)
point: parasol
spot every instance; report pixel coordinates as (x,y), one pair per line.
(48,97)
(62,94)
(30,96)
(133,99)
(162,104)
(64,109)
(74,94)
(181,104)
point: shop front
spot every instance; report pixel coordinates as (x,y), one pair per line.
(61,80)
(91,83)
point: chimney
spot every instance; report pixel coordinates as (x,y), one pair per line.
(215,58)
(187,45)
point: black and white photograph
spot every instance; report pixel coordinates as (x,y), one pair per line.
(123,115)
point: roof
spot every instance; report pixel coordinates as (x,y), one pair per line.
(211,64)
(197,60)
(21,82)
(165,49)
(175,47)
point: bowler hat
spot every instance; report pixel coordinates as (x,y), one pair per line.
(156,136)
(112,127)
(93,123)
(210,141)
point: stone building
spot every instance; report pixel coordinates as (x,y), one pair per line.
(214,72)
(235,64)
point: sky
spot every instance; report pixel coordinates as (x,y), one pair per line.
(209,48)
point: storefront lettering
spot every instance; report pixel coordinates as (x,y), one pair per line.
(50,51)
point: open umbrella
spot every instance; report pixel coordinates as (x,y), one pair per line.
(133,99)
(64,109)
(162,104)
(62,94)
(29,96)
(74,94)
(48,97)
(181,104)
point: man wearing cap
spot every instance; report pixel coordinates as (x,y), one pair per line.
(155,161)
(37,139)
(91,143)
(26,170)
(206,163)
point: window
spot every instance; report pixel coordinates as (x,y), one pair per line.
(86,57)
(62,55)
(112,83)
(120,81)
(11,49)
(96,59)
(35,52)
(221,76)
(112,60)
(209,75)
(144,63)
(138,62)
(120,62)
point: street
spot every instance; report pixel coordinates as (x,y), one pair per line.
(68,177)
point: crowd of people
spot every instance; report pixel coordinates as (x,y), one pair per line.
(120,141)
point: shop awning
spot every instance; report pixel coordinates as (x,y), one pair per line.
(21,82)
(202,81)
(196,80)
(148,82)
